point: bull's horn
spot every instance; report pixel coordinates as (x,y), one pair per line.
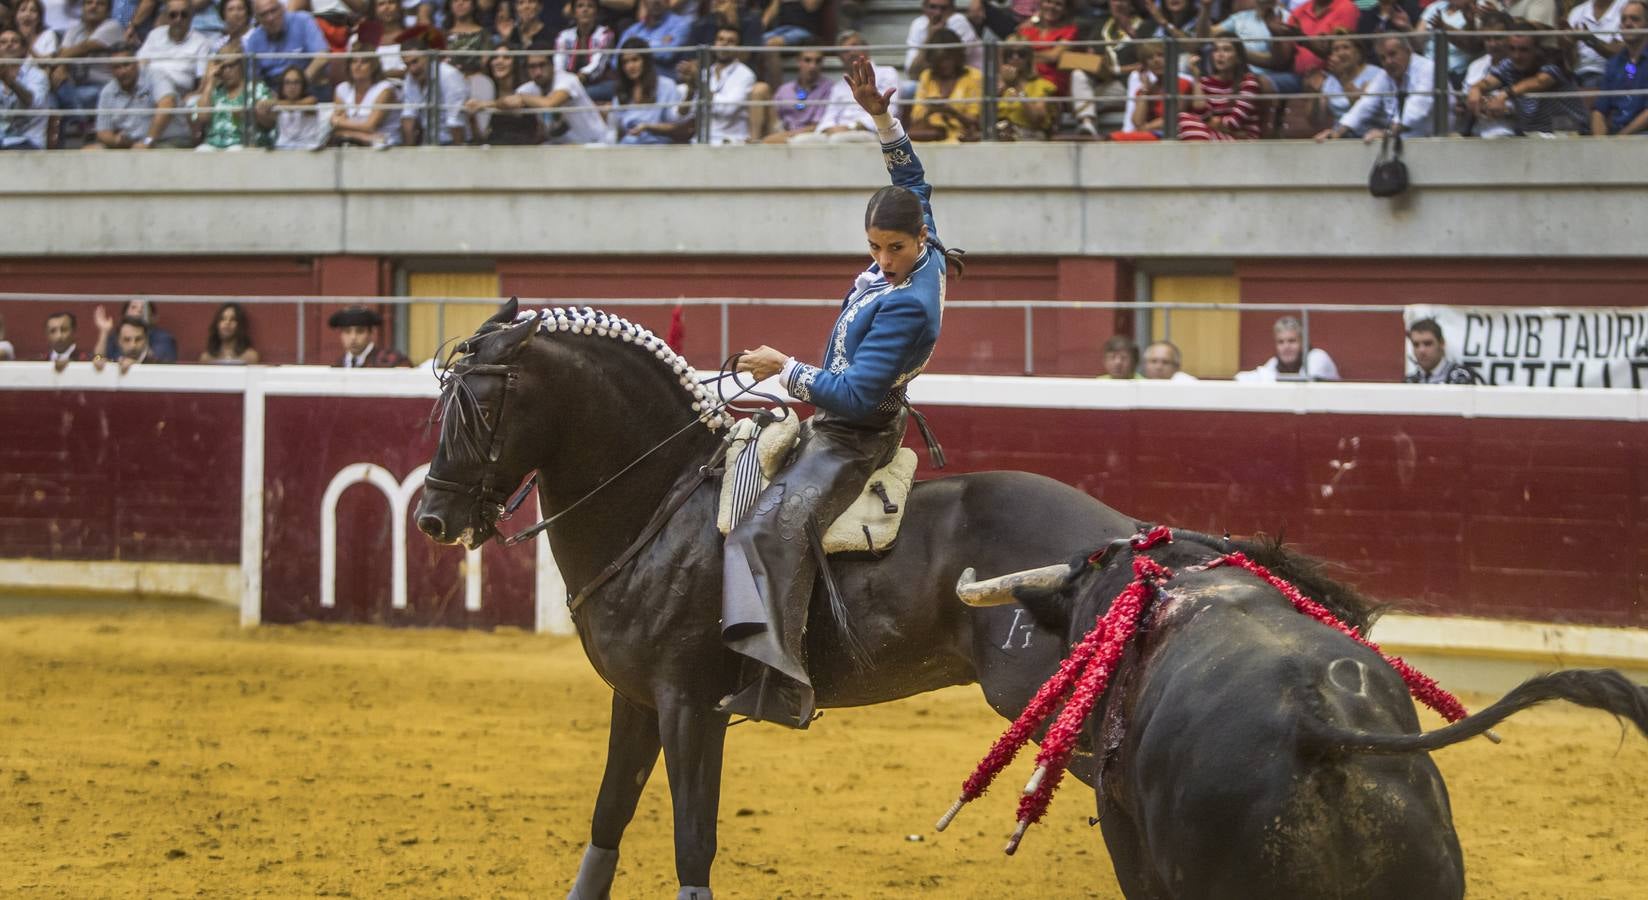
(999,591)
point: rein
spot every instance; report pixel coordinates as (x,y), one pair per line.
(1084,674)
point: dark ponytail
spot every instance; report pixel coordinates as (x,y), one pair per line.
(894,208)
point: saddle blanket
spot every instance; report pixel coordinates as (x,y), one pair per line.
(866,526)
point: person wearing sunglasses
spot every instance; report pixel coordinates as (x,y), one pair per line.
(804,100)
(177,53)
(1627,71)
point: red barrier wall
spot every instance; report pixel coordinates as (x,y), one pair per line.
(135,476)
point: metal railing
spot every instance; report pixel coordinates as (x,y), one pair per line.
(1175,51)
(724,307)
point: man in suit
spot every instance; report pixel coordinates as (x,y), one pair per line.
(357,329)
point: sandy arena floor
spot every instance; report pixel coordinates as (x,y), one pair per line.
(155,749)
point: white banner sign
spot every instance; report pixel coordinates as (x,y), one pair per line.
(1541,346)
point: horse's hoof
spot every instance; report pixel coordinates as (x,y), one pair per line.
(595,874)
(694,893)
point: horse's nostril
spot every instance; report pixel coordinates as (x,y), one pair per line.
(432,526)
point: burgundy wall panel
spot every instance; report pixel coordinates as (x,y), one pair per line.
(132,475)
(310,439)
(1534,519)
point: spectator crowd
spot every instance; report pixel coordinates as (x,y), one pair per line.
(138,74)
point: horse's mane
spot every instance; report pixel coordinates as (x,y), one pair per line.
(457,410)
(1307,573)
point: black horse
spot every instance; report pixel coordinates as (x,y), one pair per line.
(1248,751)
(579,396)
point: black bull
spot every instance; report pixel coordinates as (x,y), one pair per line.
(577,408)
(1248,751)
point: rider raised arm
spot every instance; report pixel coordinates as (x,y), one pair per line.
(883,337)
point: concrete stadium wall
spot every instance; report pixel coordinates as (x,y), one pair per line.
(1497,199)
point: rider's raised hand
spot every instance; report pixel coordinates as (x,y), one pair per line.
(861,78)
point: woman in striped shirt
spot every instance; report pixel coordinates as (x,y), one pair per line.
(1222,104)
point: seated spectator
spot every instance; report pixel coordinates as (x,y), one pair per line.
(503,127)
(378,33)
(61,345)
(1348,77)
(1400,101)
(336,20)
(1291,360)
(583,50)
(1162,361)
(1596,24)
(29,19)
(300,123)
(236,16)
(1627,71)
(1023,112)
(997,17)
(123,120)
(665,31)
(1541,13)
(732,86)
(133,344)
(1430,356)
(229,338)
(361,117)
(716,14)
(94,35)
(1316,19)
(1389,15)
(177,53)
(1271,61)
(1117,81)
(959,88)
(160,342)
(1456,19)
(936,15)
(449,82)
(1183,19)
(8,353)
(1121,358)
(1513,86)
(1222,104)
(1048,35)
(280,31)
(804,101)
(222,98)
(467,42)
(1486,125)
(847,122)
(576,121)
(357,329)
(644,111)
(22,87)
(788,23)
(1147,110)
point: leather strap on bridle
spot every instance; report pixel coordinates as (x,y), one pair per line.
(677,499)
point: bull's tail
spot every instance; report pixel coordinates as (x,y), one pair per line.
(1604,689)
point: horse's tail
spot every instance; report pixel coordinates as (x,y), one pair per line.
(1604,689)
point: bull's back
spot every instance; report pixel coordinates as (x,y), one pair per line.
(1230,802)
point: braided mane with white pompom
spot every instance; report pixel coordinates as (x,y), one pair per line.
(594,321)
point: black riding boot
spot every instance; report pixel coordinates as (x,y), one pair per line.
(769,570)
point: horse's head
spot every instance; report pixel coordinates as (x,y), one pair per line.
(483,451)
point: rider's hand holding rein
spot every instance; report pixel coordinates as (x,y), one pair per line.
(764,362)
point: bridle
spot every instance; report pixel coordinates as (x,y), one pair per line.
(494,505)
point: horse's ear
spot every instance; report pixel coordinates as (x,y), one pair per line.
(506,312)
(515,336)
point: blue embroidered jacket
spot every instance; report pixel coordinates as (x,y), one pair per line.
(885,332)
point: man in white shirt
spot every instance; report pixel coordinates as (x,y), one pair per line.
(1401,101)
(1161,363)
(1596,24)
(732,87)
(22,87)
(1290,361)
(176,55)
(936,14)
(549,88)
(845,121)
(454,93)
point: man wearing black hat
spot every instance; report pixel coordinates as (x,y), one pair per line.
(357,330)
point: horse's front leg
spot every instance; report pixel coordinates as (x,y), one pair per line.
(632,751)
(694,738)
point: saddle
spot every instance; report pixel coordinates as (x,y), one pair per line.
(870,525)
